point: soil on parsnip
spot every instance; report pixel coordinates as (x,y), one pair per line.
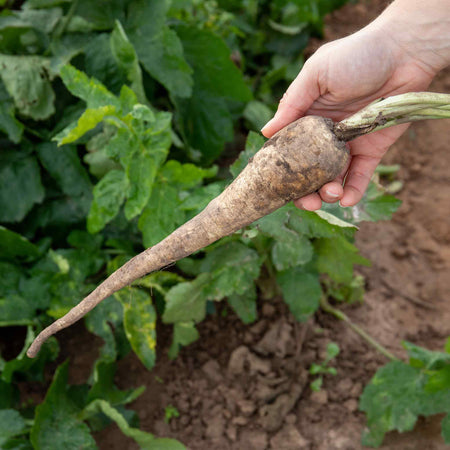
(247,387)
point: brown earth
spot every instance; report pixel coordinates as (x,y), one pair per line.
(247,387)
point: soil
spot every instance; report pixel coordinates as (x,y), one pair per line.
(247,387)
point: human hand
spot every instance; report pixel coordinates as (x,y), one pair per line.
(341,78)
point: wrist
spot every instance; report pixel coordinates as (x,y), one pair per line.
(419,32)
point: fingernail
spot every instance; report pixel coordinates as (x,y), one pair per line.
(267,124)
(332,194)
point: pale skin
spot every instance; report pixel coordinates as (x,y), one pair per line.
(401,51)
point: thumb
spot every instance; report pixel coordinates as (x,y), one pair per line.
(299,97)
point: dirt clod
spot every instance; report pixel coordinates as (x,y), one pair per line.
(213,371)
(254,439)
(289,438)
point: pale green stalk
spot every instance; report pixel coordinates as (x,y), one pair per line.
(384,113)
(356,328)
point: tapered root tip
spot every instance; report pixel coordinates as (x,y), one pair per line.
(38,341)
(34,348)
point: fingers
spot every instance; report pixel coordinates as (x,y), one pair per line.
(329,193)
(367,152)
(310,202)
(332,192)
(295,102)
(359,174)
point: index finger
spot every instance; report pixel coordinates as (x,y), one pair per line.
(298,98)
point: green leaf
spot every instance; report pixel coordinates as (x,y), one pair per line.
(290,248)
(333,220)
(185,176)
(291,251)
(88,89)
(16,310)
(64,165)
(8,395)
(141,166)
(62,274)
(164,211)
(103,387)
(244,305)
(315,226)
(375,205)
(301,291)
(394,399)
(42,20)
(253,143)
(141,172)
(101,14)
(27,82)
(336,258)
(424,358)
(108,315)
(109,194)
(214,71)
(56,424)
(346,292)
(8,123)
(146,441)
(332,351)
(36,4)
(317,384)
(83,240)
(184,333)
(205,118)
(11,275)
(186,302)
(101,63)
(21,186)
(13,245)
(158,47)
(31,369)
(257,113)
(439,380)
(139,319)
(159,281)
(11,424)
(201,196)
(68,46)
(233,268)
(127,60)
(161,216)
(17,36)
(90,118)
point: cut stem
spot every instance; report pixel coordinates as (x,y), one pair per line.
(387,112)
(356,328)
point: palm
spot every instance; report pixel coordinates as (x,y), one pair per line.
(339,80)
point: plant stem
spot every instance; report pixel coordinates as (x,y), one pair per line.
(356,328)
(387,112)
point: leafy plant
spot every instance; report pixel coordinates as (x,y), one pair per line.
(323,368)
(170,412)
(400,392)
